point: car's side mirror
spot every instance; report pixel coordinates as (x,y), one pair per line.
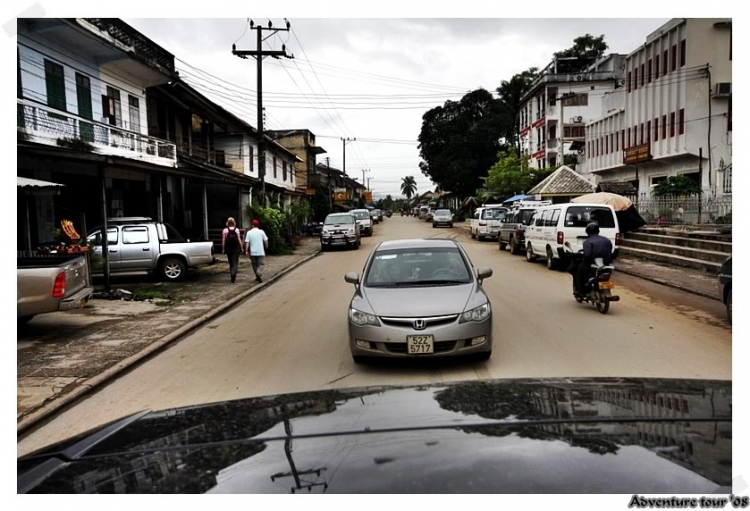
(352,278)
(484,273)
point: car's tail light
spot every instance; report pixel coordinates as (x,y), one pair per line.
(604,277)
(482,224)
(58,290)
(618,238)
(519,233)
(560,237)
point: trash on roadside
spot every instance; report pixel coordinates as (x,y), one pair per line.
(123,294)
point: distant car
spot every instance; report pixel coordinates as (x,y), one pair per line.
(363,220)
(442,217)
(725,286)
(388,213)
(419,298)
(486,221)
(340,229)
(377,215)
(512,230)
(430,215)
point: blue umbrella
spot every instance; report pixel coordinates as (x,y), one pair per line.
(516,198)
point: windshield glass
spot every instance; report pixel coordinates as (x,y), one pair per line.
(581,216)
(361,215)
(493,214)
(414,267)
(443,212)
(339,219)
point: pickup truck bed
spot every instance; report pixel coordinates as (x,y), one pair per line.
(51,284)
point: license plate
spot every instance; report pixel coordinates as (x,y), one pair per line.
(606,285)
(420,344)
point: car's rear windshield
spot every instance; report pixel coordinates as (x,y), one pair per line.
(362,215)
(443,212)
(493,214)
(339,219)
(417,267)
(581,216)
(523,216)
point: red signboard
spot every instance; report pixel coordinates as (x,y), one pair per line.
(538,123)
(636,154)
(525,131)
(539,154)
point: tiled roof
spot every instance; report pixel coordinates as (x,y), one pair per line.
(564,181)
(620,188)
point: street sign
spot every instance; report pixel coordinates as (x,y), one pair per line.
(636,154)
(368,196)
(310,191)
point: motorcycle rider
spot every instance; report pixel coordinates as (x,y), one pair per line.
(594,247)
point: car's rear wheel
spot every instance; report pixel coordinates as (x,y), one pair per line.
(434,225)
(502,245)
(173,269)
(551,263)
(514,250)
(472,234)
(530,257)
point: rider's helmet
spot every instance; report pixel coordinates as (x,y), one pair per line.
(592,229)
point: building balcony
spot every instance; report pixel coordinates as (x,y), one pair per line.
(42,124)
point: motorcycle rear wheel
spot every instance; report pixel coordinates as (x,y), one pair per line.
(602,304)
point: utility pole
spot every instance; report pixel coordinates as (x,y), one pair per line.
(259,54)
(330,191)
(299,483)
(346,141)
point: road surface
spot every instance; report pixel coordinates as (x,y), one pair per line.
(292,337)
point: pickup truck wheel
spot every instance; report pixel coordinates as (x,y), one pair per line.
(513,246)
(503,245)
(173,269)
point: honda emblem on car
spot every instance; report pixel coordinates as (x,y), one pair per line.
(420,324)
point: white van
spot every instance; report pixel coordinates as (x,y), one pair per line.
(486,221)
(423,211)
(552,226)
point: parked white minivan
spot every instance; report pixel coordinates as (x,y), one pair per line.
(552,226)
(486,221)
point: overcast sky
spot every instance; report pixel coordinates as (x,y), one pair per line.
(370,78)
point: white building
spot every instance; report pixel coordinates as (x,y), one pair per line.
(567,94)
(675,109)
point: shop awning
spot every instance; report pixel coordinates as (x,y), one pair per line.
(25,182)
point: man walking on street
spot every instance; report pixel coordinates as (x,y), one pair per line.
(231,245)
(256,242)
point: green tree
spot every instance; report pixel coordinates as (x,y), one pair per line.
(586,47)
(677,186)
(511,175)
(409,186)
(321,205)
(510,93)
(459,141)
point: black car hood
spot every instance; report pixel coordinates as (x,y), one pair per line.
(501,436)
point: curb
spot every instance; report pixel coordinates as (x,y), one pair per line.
(665,283)
(90,384)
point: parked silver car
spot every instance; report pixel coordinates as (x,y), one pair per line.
(419,298)
(340,229)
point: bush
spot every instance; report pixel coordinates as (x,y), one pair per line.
(276,226)
(459,215)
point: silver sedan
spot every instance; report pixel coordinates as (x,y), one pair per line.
(419,298)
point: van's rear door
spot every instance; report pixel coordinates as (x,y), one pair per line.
(579,216)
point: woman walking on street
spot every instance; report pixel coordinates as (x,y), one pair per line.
(231,245)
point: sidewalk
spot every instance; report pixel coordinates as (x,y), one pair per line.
(60,352)
(686,279)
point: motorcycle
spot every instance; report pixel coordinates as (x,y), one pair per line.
(599,286)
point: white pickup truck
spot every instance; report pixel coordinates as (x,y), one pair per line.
(140,245)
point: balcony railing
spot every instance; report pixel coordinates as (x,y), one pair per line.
(45,125)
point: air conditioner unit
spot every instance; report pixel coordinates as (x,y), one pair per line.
(579,78)
(723,89)
(579,118)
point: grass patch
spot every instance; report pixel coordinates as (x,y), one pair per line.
(150,294)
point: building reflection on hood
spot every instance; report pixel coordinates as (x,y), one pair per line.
(702,447)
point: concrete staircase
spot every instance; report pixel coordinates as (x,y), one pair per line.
(703,251)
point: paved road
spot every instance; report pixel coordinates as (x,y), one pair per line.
(292,337)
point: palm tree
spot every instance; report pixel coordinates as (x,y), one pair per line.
(408,186)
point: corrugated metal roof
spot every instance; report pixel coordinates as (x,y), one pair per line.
(24,182)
